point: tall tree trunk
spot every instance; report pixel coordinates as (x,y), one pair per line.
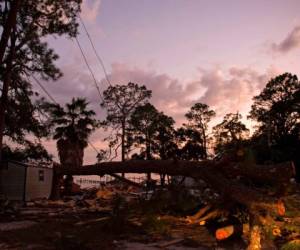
(3,107)
(162,180)
(5,88)
(123,145)
(148,154)
(9,25)
(163,157)
(204,144)
(71,155)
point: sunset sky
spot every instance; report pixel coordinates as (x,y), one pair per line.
(218,52)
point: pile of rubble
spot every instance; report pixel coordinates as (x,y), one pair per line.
(88,201)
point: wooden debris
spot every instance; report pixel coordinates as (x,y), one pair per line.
(104,194)
(202,223)
(230,230)
(81,223)
(255,238)
(198,215)
(170,243)
(224,232)
(280,208)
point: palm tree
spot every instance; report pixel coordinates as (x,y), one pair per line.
(72,125)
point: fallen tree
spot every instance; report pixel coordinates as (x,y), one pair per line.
(212,172)
(270,173)
(222,176)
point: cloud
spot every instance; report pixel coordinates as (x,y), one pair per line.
(224,90)
(232,90)
(168,94)
(291,42)
(90,10)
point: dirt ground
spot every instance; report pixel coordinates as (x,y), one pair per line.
(109,222)
(64,232)
(66,228)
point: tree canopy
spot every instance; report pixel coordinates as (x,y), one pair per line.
(24,52)
(230,132)
(120,101)
(198,118)
(276,108)
(72,124)
(151,131)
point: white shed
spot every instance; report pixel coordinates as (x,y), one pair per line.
(23,182)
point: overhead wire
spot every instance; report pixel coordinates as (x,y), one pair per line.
(90,69)
(44,89)
(100,60)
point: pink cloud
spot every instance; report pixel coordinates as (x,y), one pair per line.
(168,94)
(232,90)
(290,42)
(90,10)
(224,90)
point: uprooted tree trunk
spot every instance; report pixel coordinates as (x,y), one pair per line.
(222,176)
(210,171)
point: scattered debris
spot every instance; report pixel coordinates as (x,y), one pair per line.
(158,221)
(169,243)
(15,225)
(81,223)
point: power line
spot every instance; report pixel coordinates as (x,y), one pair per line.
(89,68)
(44,89)
(95,51)
(54,101)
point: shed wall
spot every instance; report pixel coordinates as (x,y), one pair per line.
(38,182)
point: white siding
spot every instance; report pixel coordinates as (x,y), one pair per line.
(12,181)
(38,182)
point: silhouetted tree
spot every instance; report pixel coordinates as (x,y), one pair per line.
(198,118)
(229,133)
(277,111)
(24,52)
(189,144)
(143,125)
(120,101)
(276,108)
(102,155)
(72,127)
(166,146)
(11,9)
(151,132)
(31,153)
